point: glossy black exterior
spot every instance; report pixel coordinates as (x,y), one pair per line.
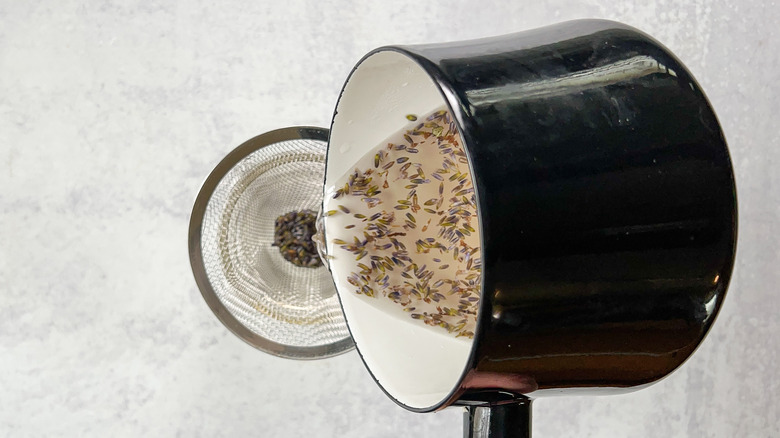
(607,206)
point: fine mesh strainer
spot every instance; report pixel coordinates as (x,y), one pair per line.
(271,303)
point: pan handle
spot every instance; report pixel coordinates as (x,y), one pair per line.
(511,420)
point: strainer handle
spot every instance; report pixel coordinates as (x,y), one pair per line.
(511,420)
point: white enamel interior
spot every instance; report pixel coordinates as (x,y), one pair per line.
(416,365)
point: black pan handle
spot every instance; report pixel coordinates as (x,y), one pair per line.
(511,420)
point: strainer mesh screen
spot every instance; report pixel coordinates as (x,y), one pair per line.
(270,296)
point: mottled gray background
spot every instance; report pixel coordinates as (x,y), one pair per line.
(113,112)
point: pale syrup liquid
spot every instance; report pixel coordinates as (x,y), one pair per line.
(402,227)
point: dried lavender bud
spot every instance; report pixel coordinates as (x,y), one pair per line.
(293,233)
(414,189)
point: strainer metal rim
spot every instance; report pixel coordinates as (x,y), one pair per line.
(196,249)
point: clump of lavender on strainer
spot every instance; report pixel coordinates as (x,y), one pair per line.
(293,234)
